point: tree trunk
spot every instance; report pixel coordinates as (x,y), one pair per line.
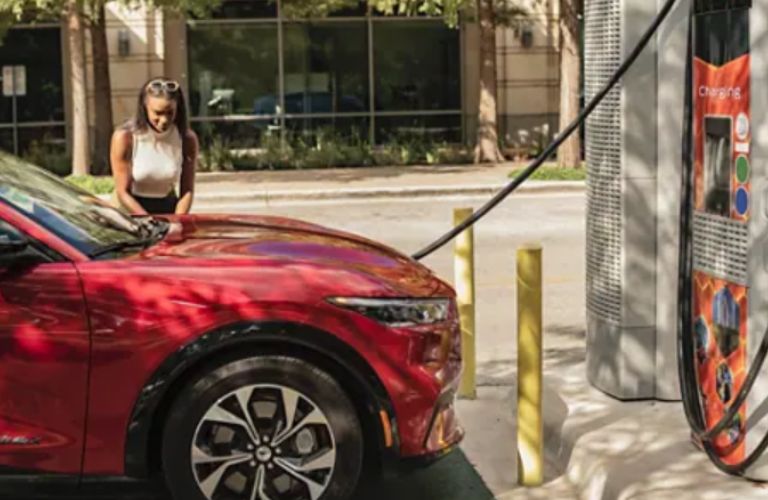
(487,148)
(103,91)
(569,154)
(76,41)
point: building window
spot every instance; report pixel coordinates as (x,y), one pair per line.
(416,66)
(233,69)
(444,127)
(326,67)
(353,128)
(236,84)
(245,9)
(39,114)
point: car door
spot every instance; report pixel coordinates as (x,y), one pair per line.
(44,355)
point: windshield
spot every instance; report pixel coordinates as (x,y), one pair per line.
(75,216)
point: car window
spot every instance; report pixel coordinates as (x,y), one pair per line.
(77,217)
(8,233)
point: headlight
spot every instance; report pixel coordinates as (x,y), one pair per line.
(398,312)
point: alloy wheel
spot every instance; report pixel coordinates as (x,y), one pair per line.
(263,442)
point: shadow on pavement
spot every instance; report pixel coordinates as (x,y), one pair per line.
(453,478)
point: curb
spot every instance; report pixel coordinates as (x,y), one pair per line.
(266,196)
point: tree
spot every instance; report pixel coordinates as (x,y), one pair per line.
(569,154)
(76,42)
(102,87)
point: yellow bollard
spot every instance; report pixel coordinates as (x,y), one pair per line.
(464,266)
(530,432)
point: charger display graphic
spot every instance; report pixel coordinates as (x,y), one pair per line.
(723,234)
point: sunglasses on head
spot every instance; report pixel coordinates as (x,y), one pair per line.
(163,86)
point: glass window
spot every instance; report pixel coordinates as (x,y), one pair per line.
(351,9)
(237,134)
(416,65)
(51,138)
(326,67)
(6,139)
(78,218)
(352,128)
(243,9)
(439,128)
(8,233)
(311,9)
(39,51)
(233,69)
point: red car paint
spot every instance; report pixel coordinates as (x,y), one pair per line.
(81,339)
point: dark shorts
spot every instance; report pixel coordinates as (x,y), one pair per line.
(157,206)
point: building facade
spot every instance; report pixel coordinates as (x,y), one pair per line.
(250,71)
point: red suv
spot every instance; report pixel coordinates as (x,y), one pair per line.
(234,357)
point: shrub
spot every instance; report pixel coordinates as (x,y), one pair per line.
(95,185)
(216,156)
(325,148)
(48,156)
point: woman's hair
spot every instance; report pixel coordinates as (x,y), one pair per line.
(141,119)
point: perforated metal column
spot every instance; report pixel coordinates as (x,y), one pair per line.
(621,204)
(602,40)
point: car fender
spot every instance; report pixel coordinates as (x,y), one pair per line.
(268,336)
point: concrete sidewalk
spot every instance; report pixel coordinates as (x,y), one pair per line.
(596,448)
(364,182)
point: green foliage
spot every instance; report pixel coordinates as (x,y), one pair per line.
(95,185)
(216,156)
(325,148)
(31,10)
(551,172)
(48,156)
(198,8)
(300,9)
(506,12)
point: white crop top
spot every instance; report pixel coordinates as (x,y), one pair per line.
(156,162)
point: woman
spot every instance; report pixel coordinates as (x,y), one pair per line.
(154,152)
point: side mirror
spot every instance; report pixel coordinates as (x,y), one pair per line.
(13,247)
(15,254)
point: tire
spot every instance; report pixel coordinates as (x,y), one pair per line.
(319,457)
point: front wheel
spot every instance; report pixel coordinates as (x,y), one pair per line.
(263,428)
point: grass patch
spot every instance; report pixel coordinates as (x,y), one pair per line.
(551,172)
(95,185)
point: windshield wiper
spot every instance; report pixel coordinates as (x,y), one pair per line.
(123,245)
(154,231)
(153,228)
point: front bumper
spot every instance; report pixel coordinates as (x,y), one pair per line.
(445,431)
(427,422)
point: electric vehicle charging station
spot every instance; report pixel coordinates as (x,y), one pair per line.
(674,157)
(677,214)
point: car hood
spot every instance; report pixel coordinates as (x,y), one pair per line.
(277,240)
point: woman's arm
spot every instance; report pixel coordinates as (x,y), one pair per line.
(120,153)
(188,168)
